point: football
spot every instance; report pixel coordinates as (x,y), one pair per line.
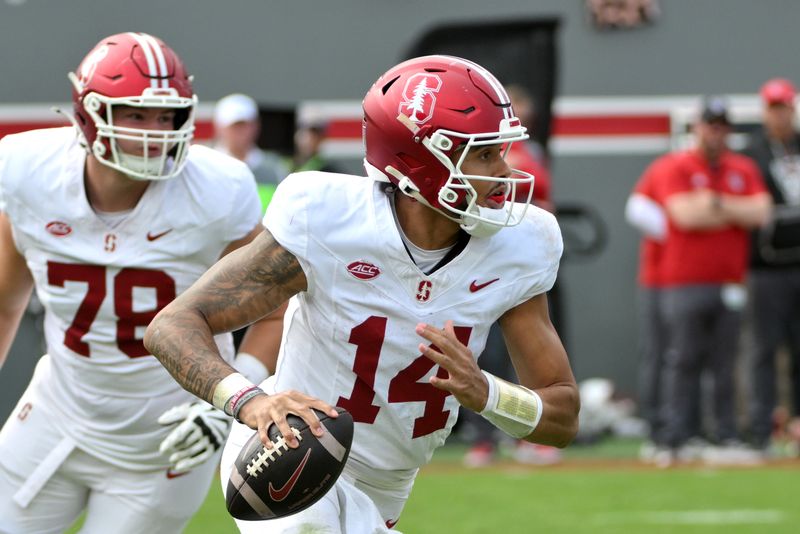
(280,481)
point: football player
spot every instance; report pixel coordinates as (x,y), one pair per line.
(397,278)
(109,220)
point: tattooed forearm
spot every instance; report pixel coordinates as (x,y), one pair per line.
(241,288)
(188,356)
(248,284)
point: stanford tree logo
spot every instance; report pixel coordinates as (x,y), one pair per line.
(420,97)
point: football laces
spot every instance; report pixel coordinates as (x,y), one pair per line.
(258,463)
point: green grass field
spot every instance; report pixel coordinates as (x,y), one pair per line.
(597,489)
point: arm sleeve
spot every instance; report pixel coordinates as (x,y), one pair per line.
(646,215)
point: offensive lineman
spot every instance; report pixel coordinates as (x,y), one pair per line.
(384,268)
(133,216)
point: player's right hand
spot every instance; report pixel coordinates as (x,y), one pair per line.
(263,410)
(464,378)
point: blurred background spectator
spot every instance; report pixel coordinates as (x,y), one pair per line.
(237,125)
(774,279)
(308,139)
(644,210)
(529,156)
(713,197)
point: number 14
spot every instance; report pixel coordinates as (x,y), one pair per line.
(404,387)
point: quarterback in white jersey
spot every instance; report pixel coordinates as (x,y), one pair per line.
(107,239)
(397,277)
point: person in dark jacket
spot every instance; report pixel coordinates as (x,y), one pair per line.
(775,262)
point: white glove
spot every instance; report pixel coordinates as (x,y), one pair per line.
(201,431)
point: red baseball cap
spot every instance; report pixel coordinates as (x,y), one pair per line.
(778,91)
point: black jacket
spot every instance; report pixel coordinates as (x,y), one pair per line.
(777,245)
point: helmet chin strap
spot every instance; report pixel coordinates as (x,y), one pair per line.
(478,228)
(141,166)
(472,225)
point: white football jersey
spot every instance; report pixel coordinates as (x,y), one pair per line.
(101,285)
(352,341)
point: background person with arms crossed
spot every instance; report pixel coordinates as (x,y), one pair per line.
(134,216)
(449,255)
(713,198)
(644,210)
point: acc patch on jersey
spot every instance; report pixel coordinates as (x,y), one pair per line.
(280,481)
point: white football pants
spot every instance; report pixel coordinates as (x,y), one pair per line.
(46,482)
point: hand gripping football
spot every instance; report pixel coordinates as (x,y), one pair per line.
(269,483)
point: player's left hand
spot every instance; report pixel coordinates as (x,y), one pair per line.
(465,381)
(201,430)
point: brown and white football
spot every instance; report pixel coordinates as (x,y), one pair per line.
(269,483)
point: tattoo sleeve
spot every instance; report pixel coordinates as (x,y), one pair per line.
(241,288)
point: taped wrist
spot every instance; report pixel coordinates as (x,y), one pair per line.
(514,409)
(233,392)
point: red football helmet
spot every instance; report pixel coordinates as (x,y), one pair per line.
(138,70)
(419,114)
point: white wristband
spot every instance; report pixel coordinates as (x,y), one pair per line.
(514,409)
(251,367)
(228,388)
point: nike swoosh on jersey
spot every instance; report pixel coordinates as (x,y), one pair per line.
(171,474)
(474,286)
(278,495)
(153,237)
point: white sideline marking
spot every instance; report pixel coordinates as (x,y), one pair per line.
(695,517)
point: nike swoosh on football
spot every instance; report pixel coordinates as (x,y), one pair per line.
(473,287)
(153,237)
(278,495)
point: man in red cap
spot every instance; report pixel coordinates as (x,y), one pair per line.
(775,261)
